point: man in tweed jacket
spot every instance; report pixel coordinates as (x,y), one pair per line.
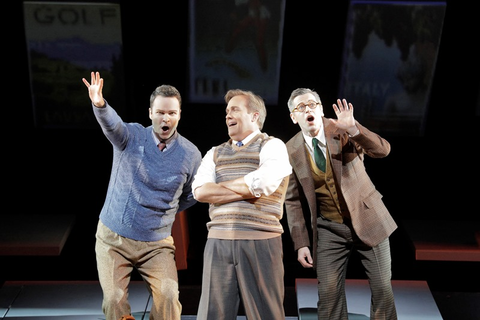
(346,211)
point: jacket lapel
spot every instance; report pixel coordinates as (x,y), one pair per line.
(300,163)
(334,146)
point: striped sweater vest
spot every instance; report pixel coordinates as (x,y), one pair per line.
(261,214)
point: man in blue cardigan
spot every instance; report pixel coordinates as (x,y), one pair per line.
(150,182)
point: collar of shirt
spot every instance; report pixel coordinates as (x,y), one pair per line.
(320,136)
(155,138)
(249,137)
(322,142)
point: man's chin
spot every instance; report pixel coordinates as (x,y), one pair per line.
(164,135)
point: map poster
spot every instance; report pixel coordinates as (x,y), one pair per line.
(235,44)
(389,61)
(65,42)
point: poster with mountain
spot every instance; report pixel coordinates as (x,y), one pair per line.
(238,48)
(389,61)
(65,42)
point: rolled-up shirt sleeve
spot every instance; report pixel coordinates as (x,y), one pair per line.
(274,166)
(206,171)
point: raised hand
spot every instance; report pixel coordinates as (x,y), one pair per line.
(345,119)
(95,89)
(344,112)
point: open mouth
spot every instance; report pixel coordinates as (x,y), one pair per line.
(310,118)
(165,128)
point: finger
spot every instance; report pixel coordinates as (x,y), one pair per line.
(340,105)
(86,82)
(94,78)
(306,264)
(309,259)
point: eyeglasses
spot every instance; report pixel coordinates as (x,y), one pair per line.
(303,106)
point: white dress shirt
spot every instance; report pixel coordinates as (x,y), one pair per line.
(322,143)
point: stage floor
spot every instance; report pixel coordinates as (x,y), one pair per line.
(413,300)
(71,300)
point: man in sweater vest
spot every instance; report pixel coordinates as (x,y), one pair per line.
(150,182)
(244,180)
(345,209)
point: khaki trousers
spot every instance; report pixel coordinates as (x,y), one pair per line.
(155,261)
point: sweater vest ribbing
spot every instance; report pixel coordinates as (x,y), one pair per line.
(256,214)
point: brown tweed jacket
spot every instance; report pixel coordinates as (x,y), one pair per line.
(370,218)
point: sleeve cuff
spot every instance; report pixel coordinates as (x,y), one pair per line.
(355,134)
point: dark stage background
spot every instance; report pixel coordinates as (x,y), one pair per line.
(66,170)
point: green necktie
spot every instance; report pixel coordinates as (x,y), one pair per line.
(319,157)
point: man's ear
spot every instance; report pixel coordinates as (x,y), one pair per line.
(293,118)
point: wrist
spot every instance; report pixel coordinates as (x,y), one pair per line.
(99,104)
(353,132)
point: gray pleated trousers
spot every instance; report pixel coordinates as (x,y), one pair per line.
(250,270)
(335,244)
